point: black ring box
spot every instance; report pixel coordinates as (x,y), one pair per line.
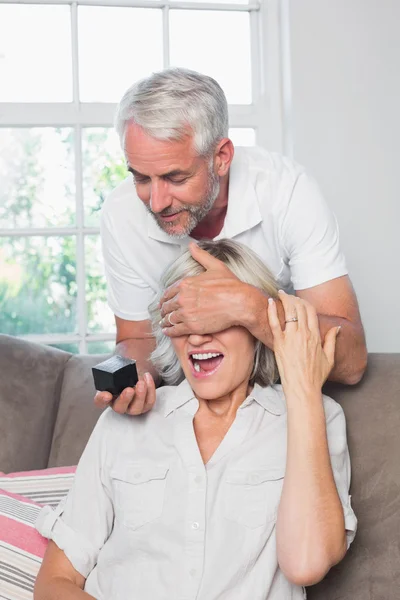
(115,374)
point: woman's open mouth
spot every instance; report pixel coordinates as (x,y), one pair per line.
(204,364)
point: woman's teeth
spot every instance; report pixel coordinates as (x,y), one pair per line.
(198,357)
(205,356)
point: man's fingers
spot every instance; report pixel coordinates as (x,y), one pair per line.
(169,293)
(168,306)
(145,396)
(121,403)
(151,392)
(102,399)
(137,404)
(205,258)
(177,330)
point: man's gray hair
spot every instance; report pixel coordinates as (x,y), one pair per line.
(249,268)
(172,102)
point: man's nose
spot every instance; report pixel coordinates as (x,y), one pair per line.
(159,197)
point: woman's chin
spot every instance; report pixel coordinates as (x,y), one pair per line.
(212,388)
(207,390)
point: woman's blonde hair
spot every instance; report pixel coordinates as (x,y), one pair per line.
(248,267)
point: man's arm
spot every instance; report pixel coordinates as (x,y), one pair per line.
(336,304)
(134,340)
(216,300)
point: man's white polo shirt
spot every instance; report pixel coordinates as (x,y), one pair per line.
(273,207)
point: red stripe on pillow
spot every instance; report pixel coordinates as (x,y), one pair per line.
(22,536)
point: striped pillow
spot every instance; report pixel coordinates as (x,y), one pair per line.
(21,546)
(47,486)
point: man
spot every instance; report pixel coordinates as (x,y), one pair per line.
(189,183)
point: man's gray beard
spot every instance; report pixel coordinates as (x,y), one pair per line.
(196,213)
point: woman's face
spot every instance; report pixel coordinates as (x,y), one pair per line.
(216,364)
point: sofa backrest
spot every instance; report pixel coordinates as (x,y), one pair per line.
(371,568)
(30,382)
(77,414)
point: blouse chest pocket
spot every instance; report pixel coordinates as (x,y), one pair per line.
(252,496)
(139,491)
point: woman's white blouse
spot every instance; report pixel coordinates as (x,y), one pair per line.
(147,520)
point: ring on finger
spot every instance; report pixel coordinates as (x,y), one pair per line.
(169,319)
(291,320)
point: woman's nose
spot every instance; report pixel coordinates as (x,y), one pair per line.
(197,339)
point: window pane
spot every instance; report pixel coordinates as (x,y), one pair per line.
(117,46)
(103,169)
(37,177)
(37,285)
(223,30)
(35,53)
(100,317)
(101,347)
(242,136)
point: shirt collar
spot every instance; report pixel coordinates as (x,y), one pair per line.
(182,394)
(270,398)
(243,211)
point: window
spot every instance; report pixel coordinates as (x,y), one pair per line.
(63,68)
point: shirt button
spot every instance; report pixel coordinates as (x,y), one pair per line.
(195,525)
(193,572)
(198,479)
(137,475)
(255,478)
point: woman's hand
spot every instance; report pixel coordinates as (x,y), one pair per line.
(303,361)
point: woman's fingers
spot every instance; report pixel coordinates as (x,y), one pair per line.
(295,312)
(330,345)
(301,313)
(274,320)
(288,304)
(312,318)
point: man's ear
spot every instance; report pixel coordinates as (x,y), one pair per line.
(224,153)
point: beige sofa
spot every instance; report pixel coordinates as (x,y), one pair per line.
(47,414)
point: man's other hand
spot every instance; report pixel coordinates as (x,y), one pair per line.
(131,401)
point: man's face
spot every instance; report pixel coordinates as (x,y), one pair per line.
(177,186)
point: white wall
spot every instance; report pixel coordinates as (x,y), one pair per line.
(345,78)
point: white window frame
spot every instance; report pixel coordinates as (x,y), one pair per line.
(265,115)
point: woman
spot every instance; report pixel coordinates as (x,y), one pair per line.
(231,487)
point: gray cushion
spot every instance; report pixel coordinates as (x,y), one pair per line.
(31,376)
(77,413)
(371,569)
